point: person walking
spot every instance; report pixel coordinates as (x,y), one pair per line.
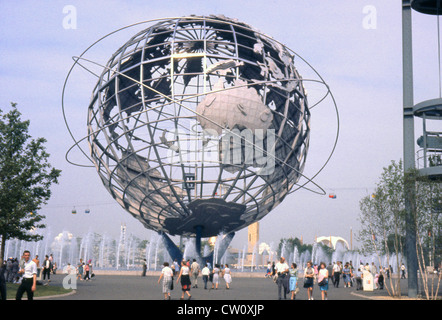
(195,271)
(167,276)
(403,272)
(80,270)
(215,281)
(282,271)
(185,280)
(29,281)
(293,281)
(86,270)
(227,276)
(323,280)
(205,272)
(346,275)
(309,274)
(336,274)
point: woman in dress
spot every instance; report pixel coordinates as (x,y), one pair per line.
(185,280)
(227,276)
(323,280)
(346,275)
(167,276)
(293,282)
(215,272)
(309,274)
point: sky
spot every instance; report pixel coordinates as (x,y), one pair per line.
(356,47)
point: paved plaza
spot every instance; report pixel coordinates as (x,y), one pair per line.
(243,287)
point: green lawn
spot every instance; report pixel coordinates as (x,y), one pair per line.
(41,291)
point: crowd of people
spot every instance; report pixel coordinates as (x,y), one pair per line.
(11,268)
(188,272)
(21,271)
(30,272)
(287,277)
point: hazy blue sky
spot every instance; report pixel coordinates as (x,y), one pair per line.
(356,47)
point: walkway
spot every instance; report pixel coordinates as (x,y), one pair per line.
(125,287)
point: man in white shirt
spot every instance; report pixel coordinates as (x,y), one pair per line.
(29,281)
(336,273)
(282,270)
(206,273)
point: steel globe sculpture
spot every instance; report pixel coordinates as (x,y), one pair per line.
(199,126)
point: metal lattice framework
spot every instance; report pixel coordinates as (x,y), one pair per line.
(162,106)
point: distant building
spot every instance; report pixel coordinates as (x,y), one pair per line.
(332,241)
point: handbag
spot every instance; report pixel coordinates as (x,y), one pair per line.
(308,282)
(322,283)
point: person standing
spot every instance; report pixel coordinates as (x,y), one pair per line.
(185,280)
(330,271)
(323,280)
(37,262)
(9,270)
(269,270)
(2,281)
(47,266)
(175,267)
(29,281)
(309,274)
(381,278)
(195,270)
(373,269)
(144,263)
(282,271)
(91,273)
(167,276)
(15,270)
(293,281)
(358,277)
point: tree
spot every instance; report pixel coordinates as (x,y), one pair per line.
(25,179)
(383,220)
